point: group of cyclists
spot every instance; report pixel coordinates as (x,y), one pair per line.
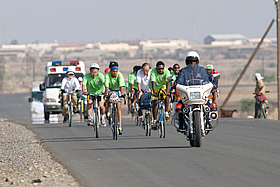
(141,81)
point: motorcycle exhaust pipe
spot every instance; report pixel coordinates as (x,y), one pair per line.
(213,115)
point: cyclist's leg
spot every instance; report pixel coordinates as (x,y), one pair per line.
(119,112)
(65,105)
(74,99)
(89,107)
(102,110)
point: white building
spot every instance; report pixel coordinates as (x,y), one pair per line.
(225,39)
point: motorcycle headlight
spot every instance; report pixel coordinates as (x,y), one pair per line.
(195,95)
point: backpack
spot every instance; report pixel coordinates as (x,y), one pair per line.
(145,101)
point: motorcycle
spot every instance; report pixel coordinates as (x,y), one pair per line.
(195,111)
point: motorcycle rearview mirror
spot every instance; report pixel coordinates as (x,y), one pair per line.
(170,79)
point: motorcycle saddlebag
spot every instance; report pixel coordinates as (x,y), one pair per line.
(145,101)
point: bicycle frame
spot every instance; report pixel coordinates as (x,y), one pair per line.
(95,114)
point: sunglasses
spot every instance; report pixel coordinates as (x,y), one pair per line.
(176,67)
(160,68)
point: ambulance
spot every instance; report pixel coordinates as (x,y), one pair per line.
(55,72)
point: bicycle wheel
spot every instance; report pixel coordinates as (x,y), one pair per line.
(264,111)
(160,123)
(80,107)
(146,123)
(70,108)
(96,124)
(163,123)
(149,123)
(115,124)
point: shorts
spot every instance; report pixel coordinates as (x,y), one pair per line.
(163,90)
(119,94)
(99,98)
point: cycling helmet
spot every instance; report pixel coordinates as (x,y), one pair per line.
(106,70)
(113,63)
(192,56)
(94,65)
(209,66)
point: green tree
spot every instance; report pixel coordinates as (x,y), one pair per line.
(14,42)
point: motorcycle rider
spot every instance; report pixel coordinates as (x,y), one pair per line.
(259,94)
(192,71)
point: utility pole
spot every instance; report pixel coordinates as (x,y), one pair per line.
(278,55)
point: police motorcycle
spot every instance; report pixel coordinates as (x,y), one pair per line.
(195,110)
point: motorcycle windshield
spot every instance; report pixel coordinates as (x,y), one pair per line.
(192,82)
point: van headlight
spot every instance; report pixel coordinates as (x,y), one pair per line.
(194,95)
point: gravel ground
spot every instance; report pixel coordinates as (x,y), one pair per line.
(24,162)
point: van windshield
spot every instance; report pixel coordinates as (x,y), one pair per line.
(54,80)
(37,96)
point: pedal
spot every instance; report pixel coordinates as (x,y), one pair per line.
(181,130)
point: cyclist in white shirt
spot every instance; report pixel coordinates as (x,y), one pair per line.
(143,81)
(69,83)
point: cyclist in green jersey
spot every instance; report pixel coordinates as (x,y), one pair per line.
(114,81)
(94,83)
(133,86)
(158,85)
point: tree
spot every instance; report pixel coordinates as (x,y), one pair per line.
(14,42)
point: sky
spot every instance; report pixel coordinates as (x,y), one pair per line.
(29,21)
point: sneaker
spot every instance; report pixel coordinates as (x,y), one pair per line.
(154,125)
(75,109)
(167,116)
(89,121)
(108,115)
(64,120)
(103,121)
(120,130)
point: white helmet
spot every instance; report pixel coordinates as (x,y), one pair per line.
(80,79)
(192,56)
(94,65)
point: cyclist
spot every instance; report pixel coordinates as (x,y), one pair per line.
(159,83)
(69,83)
(143,81)
(171,70)
(114,81)
(94,83)
(213,72)
(259,92)
(176,68)
(192,61)
(106,70)
(127,86)
(133,86)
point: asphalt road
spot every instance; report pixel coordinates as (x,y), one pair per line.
(240,152)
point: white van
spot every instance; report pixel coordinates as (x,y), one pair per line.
(55,72)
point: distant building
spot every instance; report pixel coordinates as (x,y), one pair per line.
(66,48)
(165,44)
(266,41)
(225,39)
(114,47)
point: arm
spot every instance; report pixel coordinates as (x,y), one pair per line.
(83,88)
(106,90)
(121,90)
(154,88)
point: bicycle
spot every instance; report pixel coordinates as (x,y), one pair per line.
(95,113)
(161,118)
(70,108)
(113,118)
(145,104)
(81,107)
(264,107)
